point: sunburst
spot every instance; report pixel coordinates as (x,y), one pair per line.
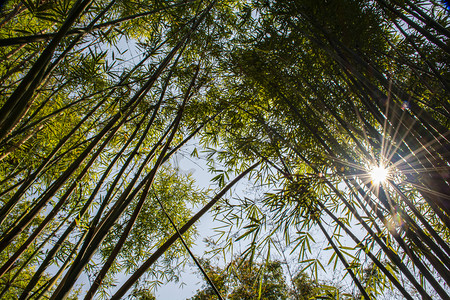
(379,174)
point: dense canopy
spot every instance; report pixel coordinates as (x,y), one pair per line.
(324,124)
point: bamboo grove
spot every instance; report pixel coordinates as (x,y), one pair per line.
(303,98)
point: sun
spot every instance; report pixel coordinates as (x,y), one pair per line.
(378,174)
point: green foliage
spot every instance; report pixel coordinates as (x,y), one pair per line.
(244,280)
(143,294)
(179,194)
(247,280)
(318,91)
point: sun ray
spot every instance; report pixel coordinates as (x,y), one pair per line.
(387,152)
(375,189)
(384,127)
(408,130)
(417,151)
(358,115)
(390,153)
(346,163)
(427,190)
(423,170)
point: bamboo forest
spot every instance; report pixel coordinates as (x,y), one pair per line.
(312,137)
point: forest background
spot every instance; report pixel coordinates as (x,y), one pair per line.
(333,114)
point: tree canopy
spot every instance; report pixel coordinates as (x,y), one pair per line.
(250,280)
(336,112)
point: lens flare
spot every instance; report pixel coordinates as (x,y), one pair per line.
(378,174)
